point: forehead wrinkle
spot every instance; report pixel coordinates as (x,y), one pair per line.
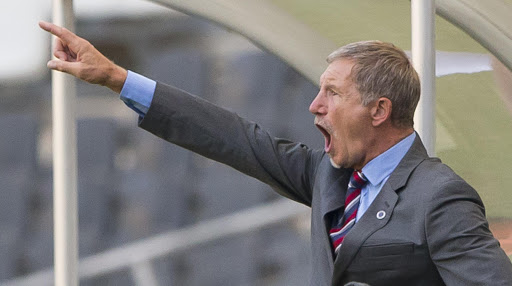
(334,83)
(328,80)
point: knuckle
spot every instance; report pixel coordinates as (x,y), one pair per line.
(87,43)
(80,74)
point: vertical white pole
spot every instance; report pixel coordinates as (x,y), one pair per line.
(423,58)
(65,213)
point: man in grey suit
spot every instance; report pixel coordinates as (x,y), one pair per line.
(383,212)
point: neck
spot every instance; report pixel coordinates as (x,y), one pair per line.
(383,141)
(391,139)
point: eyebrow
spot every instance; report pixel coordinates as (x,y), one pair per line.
(330,85)
(328,81)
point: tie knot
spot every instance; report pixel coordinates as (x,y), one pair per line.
(358,180)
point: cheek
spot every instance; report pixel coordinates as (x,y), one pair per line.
(351,136)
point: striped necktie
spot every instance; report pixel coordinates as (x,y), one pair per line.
(342,225)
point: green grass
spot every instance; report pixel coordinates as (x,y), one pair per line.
(476,118)
(348,21)
(468,106)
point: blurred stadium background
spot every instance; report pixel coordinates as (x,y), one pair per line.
(133,186)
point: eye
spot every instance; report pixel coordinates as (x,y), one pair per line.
(332,92)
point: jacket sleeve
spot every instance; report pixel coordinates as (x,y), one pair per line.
(460,242)
(221,135)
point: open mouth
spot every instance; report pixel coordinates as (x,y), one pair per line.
(327,137)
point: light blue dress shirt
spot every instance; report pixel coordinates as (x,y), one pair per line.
(138,93)
(378,170)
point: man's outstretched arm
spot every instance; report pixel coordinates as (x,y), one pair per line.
(78,57)
(193,123)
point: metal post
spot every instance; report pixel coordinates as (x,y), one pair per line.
(65,213)
(423,58)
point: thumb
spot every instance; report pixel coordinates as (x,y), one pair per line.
(63,66)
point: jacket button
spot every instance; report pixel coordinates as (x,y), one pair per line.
(381,214)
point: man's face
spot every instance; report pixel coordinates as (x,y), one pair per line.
(341,117)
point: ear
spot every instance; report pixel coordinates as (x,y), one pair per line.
(380,112)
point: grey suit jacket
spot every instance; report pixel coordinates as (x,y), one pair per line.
(431,229)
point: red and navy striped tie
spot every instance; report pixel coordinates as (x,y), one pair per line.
(342,225)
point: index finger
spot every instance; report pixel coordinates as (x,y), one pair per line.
(64,34)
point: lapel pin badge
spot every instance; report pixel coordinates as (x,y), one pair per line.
(381,214)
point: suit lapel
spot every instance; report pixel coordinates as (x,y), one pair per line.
(367,225)
(334,195)
(384,202)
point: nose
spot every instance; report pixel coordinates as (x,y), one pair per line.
(317,106)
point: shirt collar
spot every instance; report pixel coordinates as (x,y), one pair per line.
(380,167)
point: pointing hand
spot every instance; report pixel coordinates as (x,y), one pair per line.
(78,57)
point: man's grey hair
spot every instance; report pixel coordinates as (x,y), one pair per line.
(383,70)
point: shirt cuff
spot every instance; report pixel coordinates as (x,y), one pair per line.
(137,92)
